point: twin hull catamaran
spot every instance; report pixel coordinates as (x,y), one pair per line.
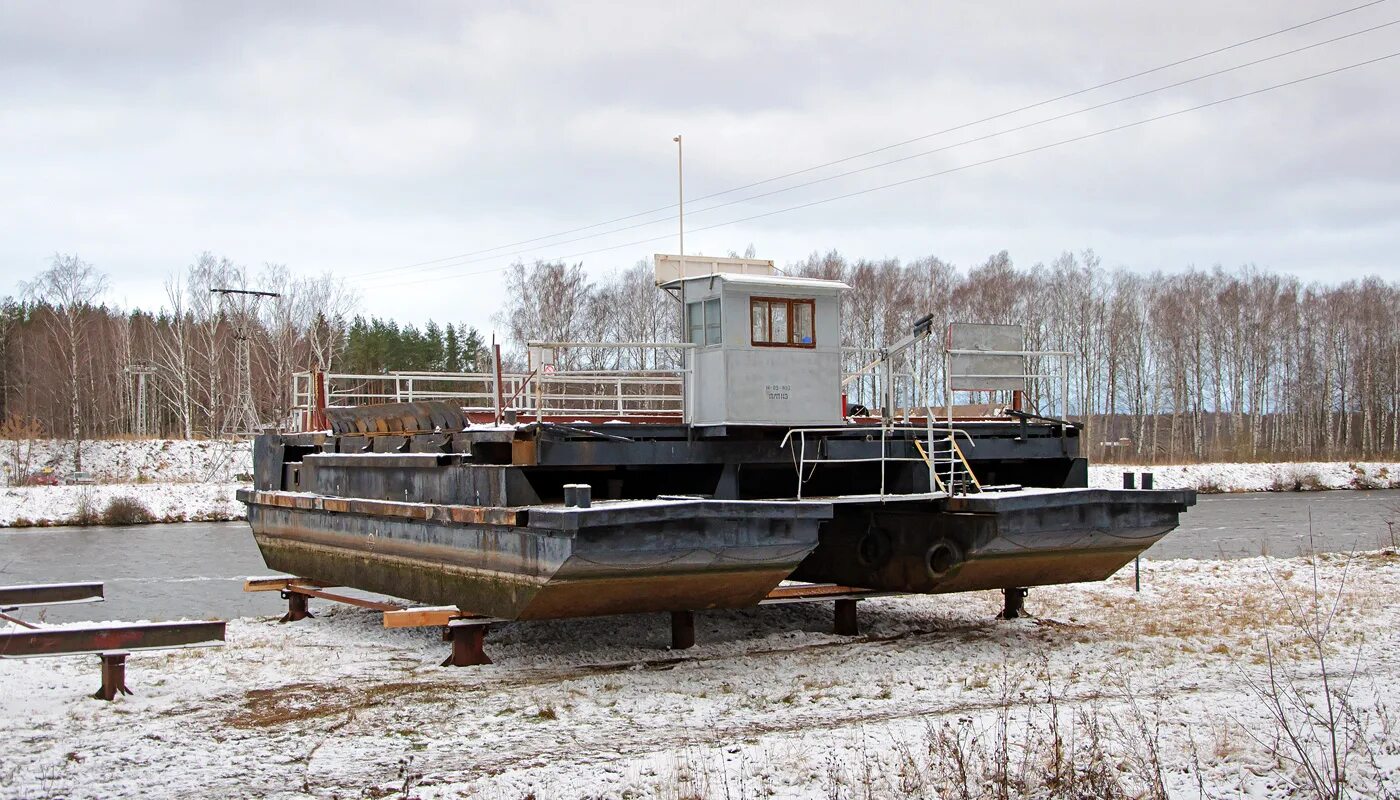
(569,492)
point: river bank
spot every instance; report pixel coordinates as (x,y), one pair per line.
(184,481)
(1285,476)
(47,506)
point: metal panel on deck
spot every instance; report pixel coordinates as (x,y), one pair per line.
(992,370)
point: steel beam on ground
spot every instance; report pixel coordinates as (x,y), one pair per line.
(50,594)
(280,583)
(376,605)
(111,637)
(819,592)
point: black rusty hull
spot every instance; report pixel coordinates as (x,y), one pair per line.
(554,563)
(991,540)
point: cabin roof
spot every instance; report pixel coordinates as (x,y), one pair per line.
(774,281)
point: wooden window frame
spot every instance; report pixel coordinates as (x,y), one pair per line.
(791,303)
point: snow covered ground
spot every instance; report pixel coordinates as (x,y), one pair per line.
(22,506)
(144,460)
(176,480)
(1287,477)
(1106,693)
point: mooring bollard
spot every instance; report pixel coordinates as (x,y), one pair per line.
(1147,480)
(578,495)
(1129,480)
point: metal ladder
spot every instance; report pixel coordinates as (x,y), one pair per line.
(948,466)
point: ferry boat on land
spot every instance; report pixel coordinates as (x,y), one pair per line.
(571,492)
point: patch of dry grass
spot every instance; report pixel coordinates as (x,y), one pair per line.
(298,702)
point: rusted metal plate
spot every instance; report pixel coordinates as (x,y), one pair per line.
(130,636)
(524,452)
(474,515)
(824,591)
(50,594)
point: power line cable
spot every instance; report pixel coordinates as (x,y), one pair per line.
(944,148)
(845,159)
(950,170)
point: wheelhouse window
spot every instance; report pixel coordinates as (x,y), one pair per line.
(781,322)
(703,322)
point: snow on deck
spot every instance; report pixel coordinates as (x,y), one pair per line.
(769,703)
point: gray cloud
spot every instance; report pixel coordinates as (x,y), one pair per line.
(363,137)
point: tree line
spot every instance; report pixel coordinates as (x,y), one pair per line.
(74,366)
(1240,364)
(1217,364)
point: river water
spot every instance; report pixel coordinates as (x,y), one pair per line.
(196,569)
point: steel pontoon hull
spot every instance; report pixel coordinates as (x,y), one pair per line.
(541,563)
(992,540)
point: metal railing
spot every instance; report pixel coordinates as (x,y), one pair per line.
(544,389)
(631,392)
(939,453)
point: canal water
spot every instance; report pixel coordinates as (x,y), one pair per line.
(196,569)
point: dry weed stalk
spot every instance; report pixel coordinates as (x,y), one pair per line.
(19,434)
(1319,733)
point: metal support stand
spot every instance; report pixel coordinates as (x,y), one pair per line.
(298,606)
(468,644)
(846,622)
(1015,606)
(113,675)
(682,630)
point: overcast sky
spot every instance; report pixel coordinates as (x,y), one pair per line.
(363,138)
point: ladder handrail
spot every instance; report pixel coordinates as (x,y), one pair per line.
(885,457)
